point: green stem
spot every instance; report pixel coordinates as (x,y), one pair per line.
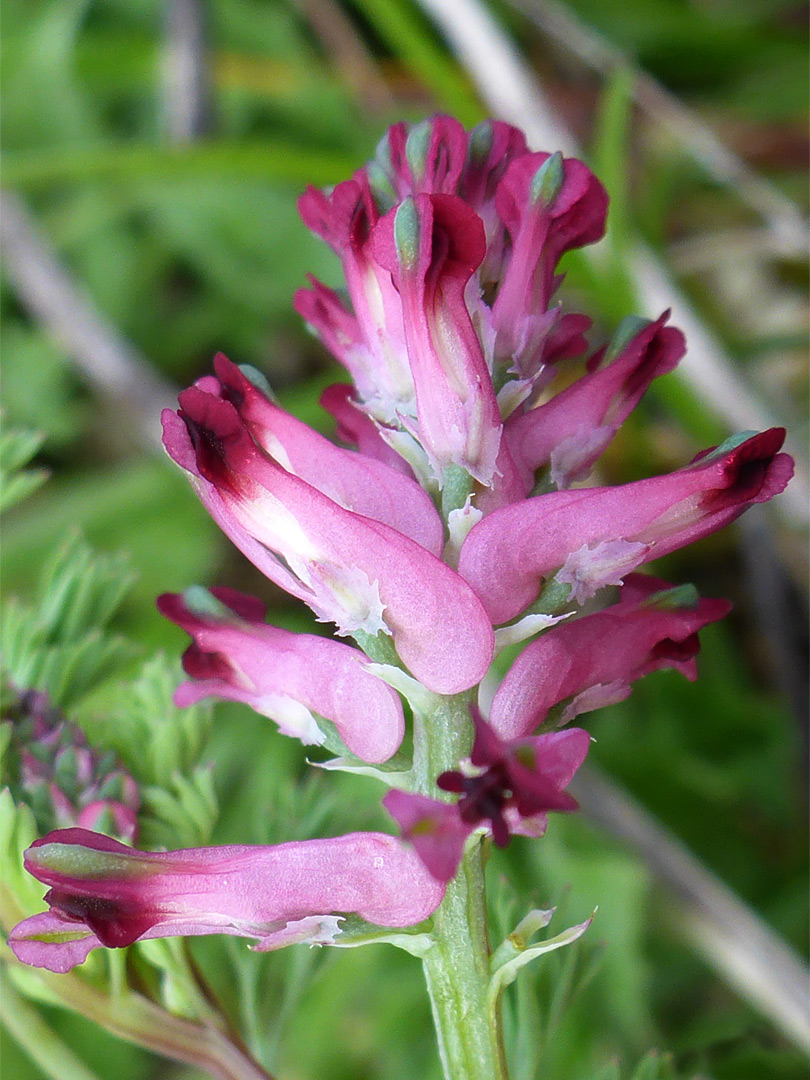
(457,968)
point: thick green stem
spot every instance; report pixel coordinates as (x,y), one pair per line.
(457,974)
(457,967)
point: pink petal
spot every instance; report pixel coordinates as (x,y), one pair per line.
(440,629)
(354,481)
(508,554)
(434,828)
(599,402)
(263,666)
(432,245)
(609,649)
(354,426)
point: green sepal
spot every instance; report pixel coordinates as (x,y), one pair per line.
(393,773)
(417,146)
(678,598)
(548,180)
(406,234)
(725,447)
(354,932)
(627,329)
(258,379)
(457,487)
(515,951)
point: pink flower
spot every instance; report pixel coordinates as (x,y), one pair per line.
(355,427)
(548,206)
(434,828)
(592,537)
(360,573)
(369,340)
(570,431)
(295,679)
(101,892)
(592,661)
(432,245)
(518,782)
(449,243)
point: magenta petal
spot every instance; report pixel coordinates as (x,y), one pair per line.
(606,651)
(548,205)
(275,894)
(434,828)
(432,245)
(52,941)
(364,485)
(577,424)
(333,557)
(507,555)
(560,753)
(356,427)
(274,671)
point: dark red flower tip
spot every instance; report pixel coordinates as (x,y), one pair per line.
(215,429)
(115,923)
(206,665)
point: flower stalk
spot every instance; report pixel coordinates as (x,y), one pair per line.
(457,967)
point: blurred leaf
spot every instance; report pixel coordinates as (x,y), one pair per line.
(122,164)
(17,448)
(61,643)
(404,29)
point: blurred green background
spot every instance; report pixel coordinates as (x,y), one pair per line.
(178,222)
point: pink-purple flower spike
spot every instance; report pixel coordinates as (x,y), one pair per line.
(417,532)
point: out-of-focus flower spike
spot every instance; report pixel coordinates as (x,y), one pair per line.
(65,781)
(103,893)
(593,536)
(292,678)
(358,573)
(432,245)
(593,661)
(570,431)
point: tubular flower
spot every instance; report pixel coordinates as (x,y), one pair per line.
(571,430)
(513,787)
(361,573)
(293,678)
(101,892)
(593,661)
(592,537)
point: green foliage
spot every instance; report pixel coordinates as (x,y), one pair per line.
(61,644)
(17,448)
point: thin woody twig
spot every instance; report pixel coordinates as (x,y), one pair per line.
(348,53)
(728,933)
(783,219)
